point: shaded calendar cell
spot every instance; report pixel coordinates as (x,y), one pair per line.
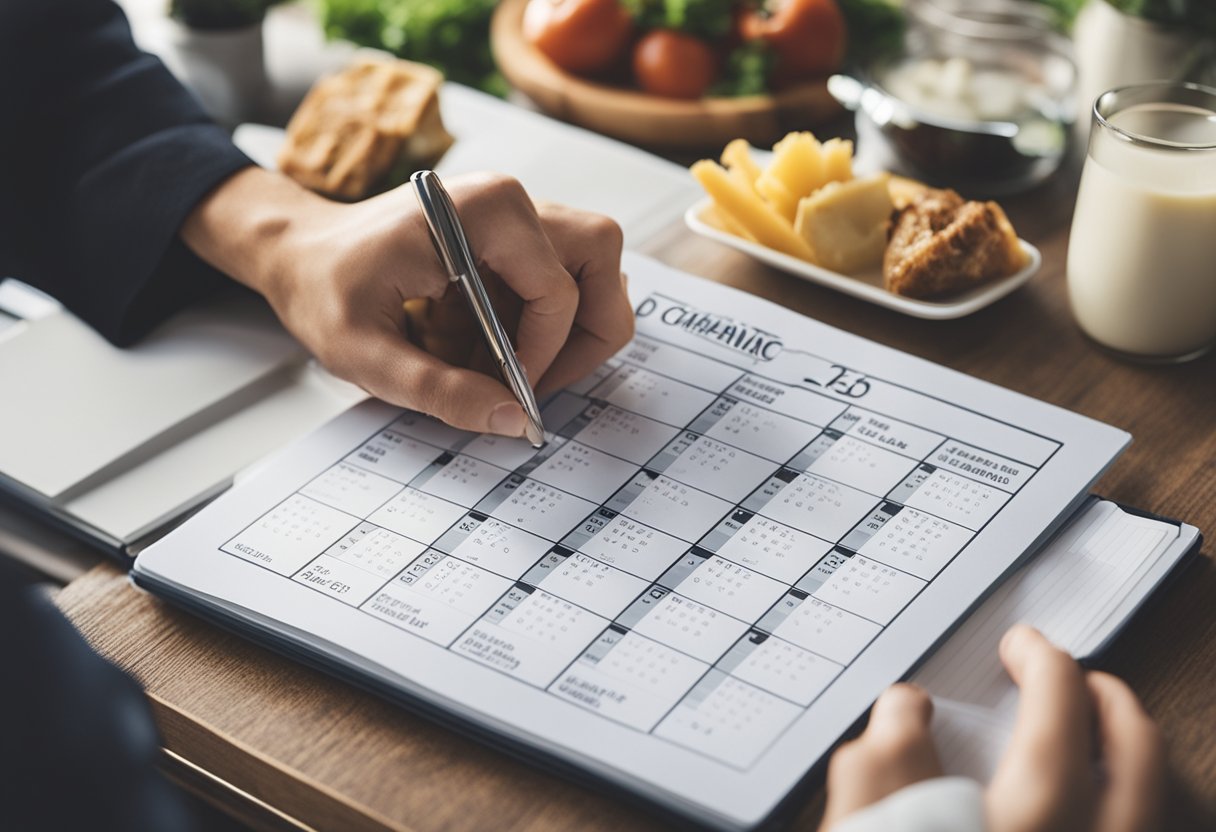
(437,597)
(530,634)
(728,719)
(629,545)
(779,667)
(819,627)
(766,546)
(563,414)
(726,586)
(643,392)
(712,466)
(290,534)
(541,509)
(494,545)
(624,434)
(673,507)
(891,434)
(916,542)
(686,625)
(584,472)
(585,581)
(338,579)
(417,515)
(584,385)
(394,455)
(820,507)
(754,429)
(503,451)
(375,550)
(862,465)
(676,362)
(982,466)
(460,479)
(823,569)
(351,489)
(628,678)
(869,589)
(430,430)
(794,402)
(962,501)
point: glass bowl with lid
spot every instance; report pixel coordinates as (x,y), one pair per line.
(980,97)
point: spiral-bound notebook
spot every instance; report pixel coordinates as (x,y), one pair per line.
(740,530)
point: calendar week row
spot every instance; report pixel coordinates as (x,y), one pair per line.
(605,455)
(665,653)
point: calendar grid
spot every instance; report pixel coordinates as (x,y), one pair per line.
(736,634)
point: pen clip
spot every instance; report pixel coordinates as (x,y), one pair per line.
(443,223)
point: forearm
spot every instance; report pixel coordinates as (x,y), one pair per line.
(244,227)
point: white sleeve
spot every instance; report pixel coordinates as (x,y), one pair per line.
(943,804)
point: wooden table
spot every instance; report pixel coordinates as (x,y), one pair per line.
(259,733)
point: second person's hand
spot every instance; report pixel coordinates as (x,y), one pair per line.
(1084,756)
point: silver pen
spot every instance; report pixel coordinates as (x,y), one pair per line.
(453,248)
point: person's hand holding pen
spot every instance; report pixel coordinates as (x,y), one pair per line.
(337,274)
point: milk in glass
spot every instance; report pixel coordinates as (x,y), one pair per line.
(1142,254)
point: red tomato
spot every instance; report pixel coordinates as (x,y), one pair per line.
(583,36)
(674,64)
(808,36)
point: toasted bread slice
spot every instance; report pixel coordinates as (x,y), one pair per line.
(354,128)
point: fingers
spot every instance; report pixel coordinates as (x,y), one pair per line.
(1133,755)
(390,368)
(894,751)
(1045,779)
(589,248)
(507,237)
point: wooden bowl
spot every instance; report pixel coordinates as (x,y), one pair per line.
(650,120)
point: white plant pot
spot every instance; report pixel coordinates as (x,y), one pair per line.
(1114,49)
(226,69)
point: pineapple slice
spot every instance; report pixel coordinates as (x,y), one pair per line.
(746,208)
(795,172)
(837,161)
(845,223)
(737,158)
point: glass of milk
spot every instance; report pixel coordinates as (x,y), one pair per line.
(1142,254)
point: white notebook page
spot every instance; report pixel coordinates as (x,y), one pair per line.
(1068,591)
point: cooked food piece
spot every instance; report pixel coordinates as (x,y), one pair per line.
(837,160)
(845,223)
(800,166)
(366,129)
(905,191)
(940,245)
(742,205)
(737,158)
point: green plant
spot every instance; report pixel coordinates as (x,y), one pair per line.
(451,35)
(1197,15)
(219,14)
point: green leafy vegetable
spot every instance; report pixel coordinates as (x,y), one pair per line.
(451,35)
(875,26)
(1197,15)
(703,18)
(747,70)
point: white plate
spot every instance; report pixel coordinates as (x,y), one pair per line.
(868,285)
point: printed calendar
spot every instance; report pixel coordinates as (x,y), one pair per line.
(739,530)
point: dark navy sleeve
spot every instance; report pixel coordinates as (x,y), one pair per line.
(102,156)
